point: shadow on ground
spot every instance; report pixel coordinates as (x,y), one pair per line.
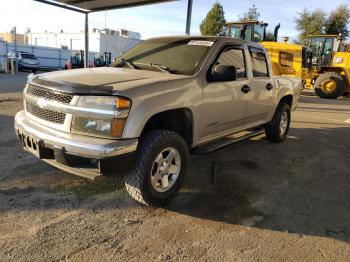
(301,186)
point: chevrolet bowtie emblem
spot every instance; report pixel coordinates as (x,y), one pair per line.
(42,103)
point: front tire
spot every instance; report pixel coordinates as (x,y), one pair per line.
(160,168)
(276,131)
(329,85)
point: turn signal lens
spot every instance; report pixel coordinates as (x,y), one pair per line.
(118,126)
(123,103)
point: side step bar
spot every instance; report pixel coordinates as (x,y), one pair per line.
(228,140)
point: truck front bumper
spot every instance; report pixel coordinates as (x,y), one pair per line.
(72,153)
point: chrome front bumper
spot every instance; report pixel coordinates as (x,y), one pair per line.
(78,145)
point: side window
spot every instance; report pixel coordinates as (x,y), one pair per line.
(258,33)
(233,57)
(259,62)
(248,33)
(286,59)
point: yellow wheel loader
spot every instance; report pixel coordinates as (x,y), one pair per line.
(287,59)
(330,72)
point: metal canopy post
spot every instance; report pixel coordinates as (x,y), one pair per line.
(88,6)
(189,17)
(86,40)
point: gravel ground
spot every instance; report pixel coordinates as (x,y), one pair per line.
(269,202)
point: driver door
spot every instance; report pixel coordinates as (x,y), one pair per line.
(223,108)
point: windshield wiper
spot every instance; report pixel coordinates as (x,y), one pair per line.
(128,63)
(161,68)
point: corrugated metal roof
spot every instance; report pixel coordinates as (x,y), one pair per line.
(86,6)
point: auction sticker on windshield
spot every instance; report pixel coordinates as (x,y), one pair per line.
(200,43)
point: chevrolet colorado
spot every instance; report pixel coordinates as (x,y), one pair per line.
(161,100)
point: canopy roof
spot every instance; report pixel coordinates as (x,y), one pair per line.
(87,6)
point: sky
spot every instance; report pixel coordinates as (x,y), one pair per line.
(152,20)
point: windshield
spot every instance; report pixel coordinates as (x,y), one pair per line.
(321,46)
(235,31)
(176,55)
(259,31)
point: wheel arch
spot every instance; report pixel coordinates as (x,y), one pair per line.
(286,99)
(179,120)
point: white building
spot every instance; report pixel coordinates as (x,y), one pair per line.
(100,40)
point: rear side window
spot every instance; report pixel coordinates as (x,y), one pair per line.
(233,56)
(259,62)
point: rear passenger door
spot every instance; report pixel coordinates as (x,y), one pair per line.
(260,96)
(223,103)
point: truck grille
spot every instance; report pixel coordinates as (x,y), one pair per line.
(43,113)
(49,95)
(46,114)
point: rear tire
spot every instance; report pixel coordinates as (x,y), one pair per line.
(276,131)
(336,83)
(145,182)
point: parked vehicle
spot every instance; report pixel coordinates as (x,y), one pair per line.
(144,114)
(104,59)
(25,60)
(330,72)
(76,61)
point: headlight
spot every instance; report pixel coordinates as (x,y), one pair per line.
(104,102)
(102,127)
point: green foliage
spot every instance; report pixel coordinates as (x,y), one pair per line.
(270,36)
(310,23)
(318,22)
(338,21)
(214,21)
(251,15)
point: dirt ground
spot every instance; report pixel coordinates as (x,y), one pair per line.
(269,202)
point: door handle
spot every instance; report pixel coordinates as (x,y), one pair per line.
(269,86)
(245,89)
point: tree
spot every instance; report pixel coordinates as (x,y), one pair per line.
(338,21)
(270,36)
(251,15)
(310,23)
(214,21)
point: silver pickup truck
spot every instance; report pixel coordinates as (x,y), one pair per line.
(161,100)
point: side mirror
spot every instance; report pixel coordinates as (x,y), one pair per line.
(224,73)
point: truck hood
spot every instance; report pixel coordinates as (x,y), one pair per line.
(103,80)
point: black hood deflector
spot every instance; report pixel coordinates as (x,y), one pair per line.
(72,88)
